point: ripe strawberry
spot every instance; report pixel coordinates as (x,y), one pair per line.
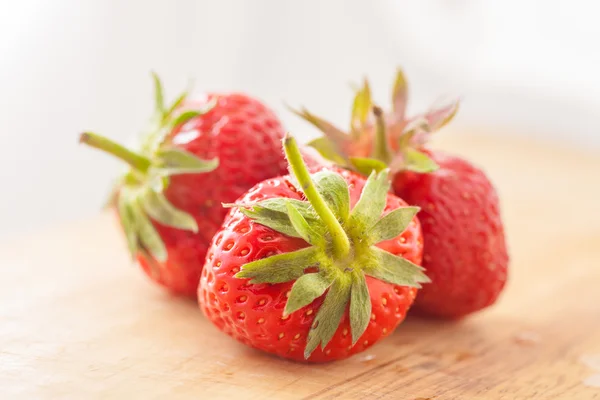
(291,270)
(465,251)
(196,155)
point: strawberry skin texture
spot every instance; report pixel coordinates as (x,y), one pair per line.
(253,313)
(246,137)
(465,252)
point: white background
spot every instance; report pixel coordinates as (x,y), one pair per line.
(522,67)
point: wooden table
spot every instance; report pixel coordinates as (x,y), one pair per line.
(78,321)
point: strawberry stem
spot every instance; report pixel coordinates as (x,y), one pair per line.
(341,243)
(380,151)
(136,161)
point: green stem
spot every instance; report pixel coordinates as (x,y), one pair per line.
(380,151)
(341,244)
(137,161)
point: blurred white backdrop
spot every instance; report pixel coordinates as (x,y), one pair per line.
(70,65)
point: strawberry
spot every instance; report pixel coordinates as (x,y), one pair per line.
(196,155)
(317,273)
(465,251)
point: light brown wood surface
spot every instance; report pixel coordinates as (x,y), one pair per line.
(78,321)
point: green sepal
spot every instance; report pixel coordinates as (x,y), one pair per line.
(273,213)
(361,108)
(161,210)
(302,227)
(147,234)
(176,104)
(157,182)
(280,268)
(417,161)
(360,306)
(400,94)
(128,224)
(174,161)
(330,130)
(328,317)
(441,116)
(367,165)
(372,202)
(305,290)
(159,99)
(185,117)
(418,127)
(334,190)
(392,224)
(328,150)
(396,270)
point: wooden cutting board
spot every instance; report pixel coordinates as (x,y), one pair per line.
(79,322)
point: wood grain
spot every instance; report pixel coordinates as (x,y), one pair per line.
(79,321)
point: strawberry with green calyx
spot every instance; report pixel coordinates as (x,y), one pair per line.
(375,140)
(465,251)
(195,155)
(316,271)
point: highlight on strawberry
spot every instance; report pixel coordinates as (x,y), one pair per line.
(314,267)
(465,251)
(196,154)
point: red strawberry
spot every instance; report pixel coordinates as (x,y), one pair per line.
(291,270)
(465,250)
(196,155)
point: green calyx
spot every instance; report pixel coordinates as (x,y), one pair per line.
(377,141)
(342,247)
(139,194)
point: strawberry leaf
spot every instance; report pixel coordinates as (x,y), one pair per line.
(281,267)
(178,102)
(392,224)
(173,161)
(305,290)
(400,95)
(328,317)
(279,205)
(360,307)
(328,150)
(185,117)
(396,270)
(334,190)
(127,219)
(274,214)
(367,165)
(147,234)
(439,117)
(331,131)
(412,128)
(417,161)
(159,100)
(160,209)
(361,107)
(302,227)
(275,220)
(372,201)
